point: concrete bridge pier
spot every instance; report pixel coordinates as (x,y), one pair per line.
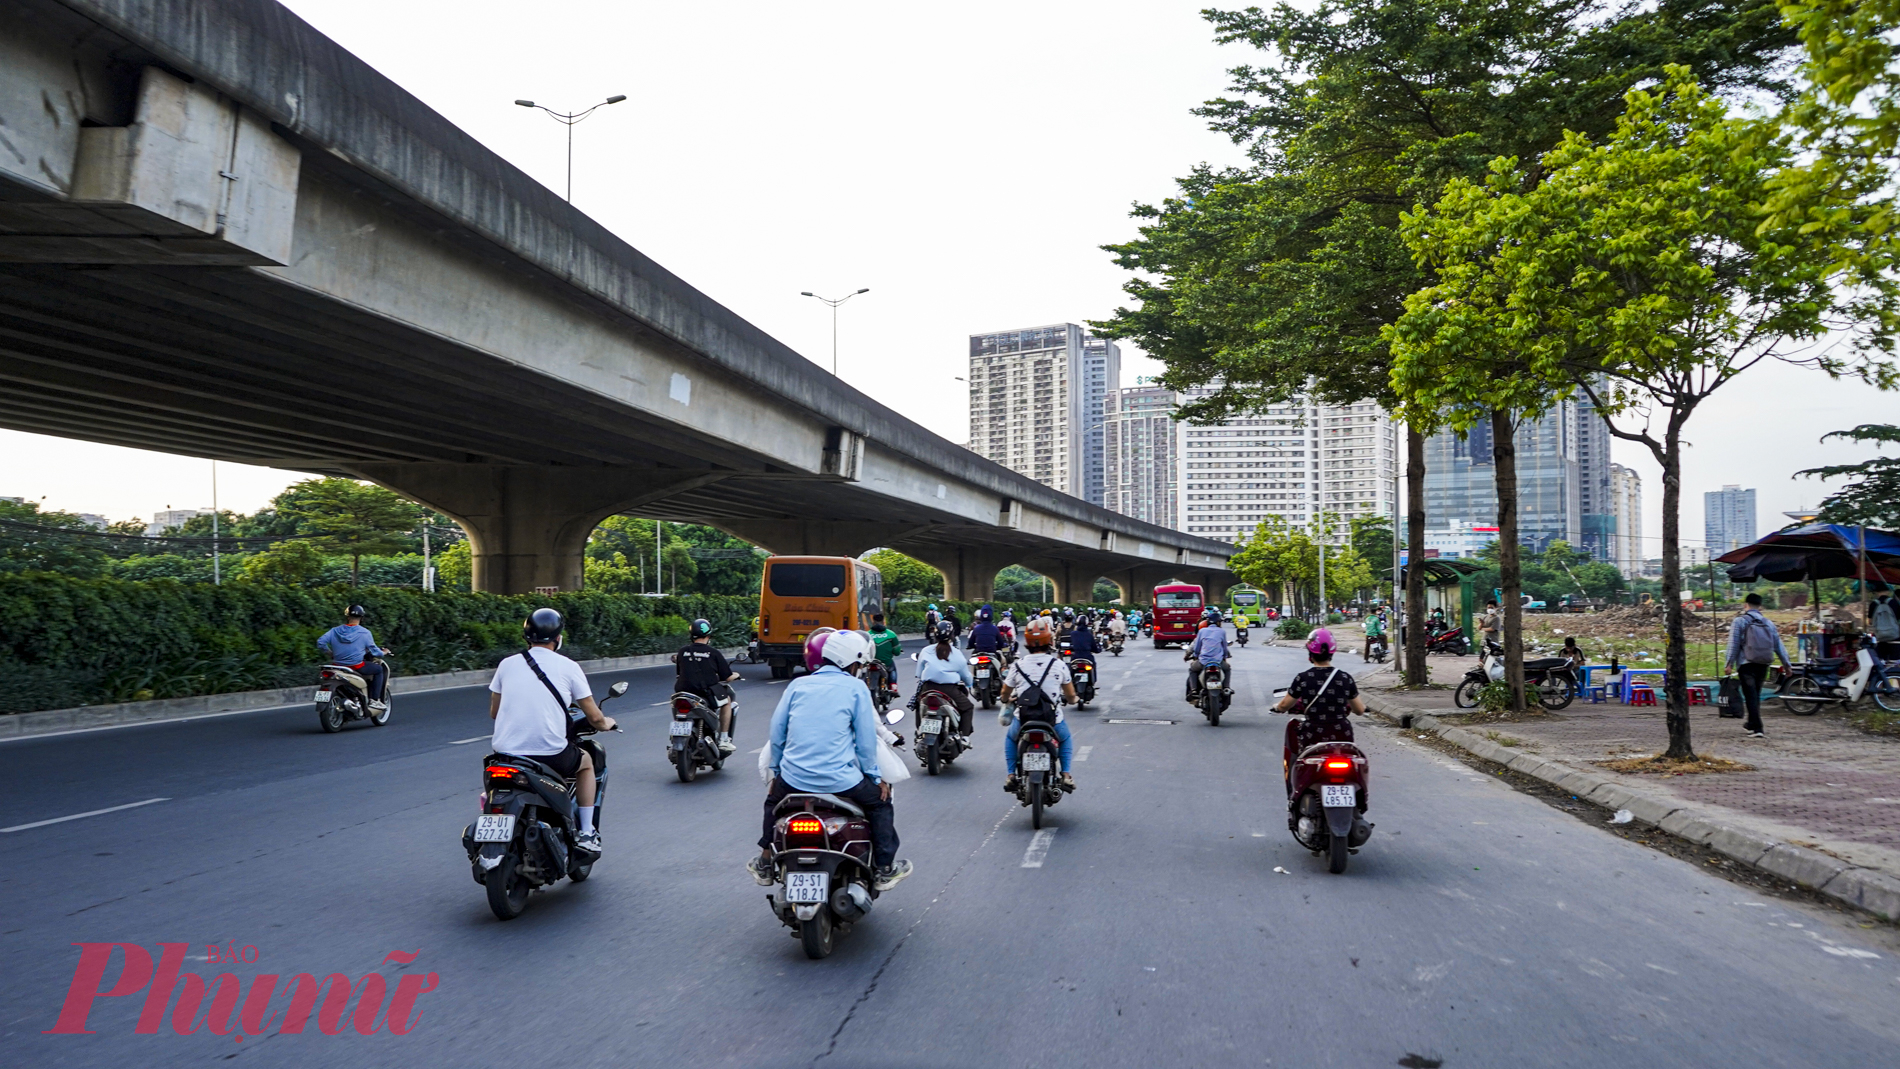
(969,572)
(818,538)
(528,524)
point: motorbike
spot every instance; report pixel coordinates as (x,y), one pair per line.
(1841,679)
(1082,673)
(986,673)
(343,695)
(1326,797)
(877,678)
(1214,694)
(1240,636)
(821,853)
(938,743)
(1554,678)
(1377,649)
(692,737)
(525,832)
(1116,640)
(1451,640)
(1038,752)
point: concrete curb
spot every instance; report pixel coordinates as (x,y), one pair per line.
(125,714)
(1872,890)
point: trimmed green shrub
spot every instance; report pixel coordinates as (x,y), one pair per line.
(1293,627)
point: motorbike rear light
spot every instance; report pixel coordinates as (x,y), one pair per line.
(1338,764)
(682,707)
(806,825)
(502,772)
(933,702)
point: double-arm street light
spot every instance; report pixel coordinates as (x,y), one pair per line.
(568,119)
(834,303)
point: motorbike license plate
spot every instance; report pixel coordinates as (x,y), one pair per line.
(323,697)
(982,673)
(807,886)
(930,726)
(680,727)
(1035,762)
(494,828)
(1336,797)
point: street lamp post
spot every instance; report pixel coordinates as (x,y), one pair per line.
(568,119)
(834,303)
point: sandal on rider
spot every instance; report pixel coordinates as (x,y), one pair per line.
(1011,785)
(1067,782)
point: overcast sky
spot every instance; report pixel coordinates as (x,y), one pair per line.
(963,162)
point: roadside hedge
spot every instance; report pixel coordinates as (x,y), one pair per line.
(67,642)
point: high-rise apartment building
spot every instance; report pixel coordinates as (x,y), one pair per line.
(1461,478)
(1728,518)
(169,518)
(1596,517)
(1139,440)
(1101,379)
(1036,404)
(1292,459)
(1626,508)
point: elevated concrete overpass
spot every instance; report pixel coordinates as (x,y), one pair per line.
(222,235)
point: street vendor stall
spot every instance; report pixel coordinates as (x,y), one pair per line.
(1815,552)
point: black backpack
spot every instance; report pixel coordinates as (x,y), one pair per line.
(1034,703)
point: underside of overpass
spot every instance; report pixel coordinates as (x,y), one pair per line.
(185,268)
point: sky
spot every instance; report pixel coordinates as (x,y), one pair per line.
(963,162)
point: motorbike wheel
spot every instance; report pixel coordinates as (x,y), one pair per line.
(1035,806)
(685,765)
(816,934)
(330,716)
(1210,705)
(1466,696)
(933,759)
(379,719)
(1887,694)
(1804,687)
(1336,855)
(507,891)
(1556,692)
(989,702)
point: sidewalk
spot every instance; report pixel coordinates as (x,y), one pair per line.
(1821,807)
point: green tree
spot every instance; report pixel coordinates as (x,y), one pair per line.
(1276,280)
(1873,498)
(350,518)
(290,563)
(1017,583)
(1645,271)
(904,575)
(455,567)
(31,540)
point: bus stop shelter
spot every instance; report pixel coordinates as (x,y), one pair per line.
(1450,585)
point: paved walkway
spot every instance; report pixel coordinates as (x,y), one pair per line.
(1818,782)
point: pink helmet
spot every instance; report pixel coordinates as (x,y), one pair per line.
(1321,643)
(815,647)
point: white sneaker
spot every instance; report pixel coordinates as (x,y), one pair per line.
(588,842)
(726,744)
(379,707)
(761,872)
(888,878)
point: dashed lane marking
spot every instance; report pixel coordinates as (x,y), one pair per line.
(465,742)
(97,812)
(1038,848)
(1082,754)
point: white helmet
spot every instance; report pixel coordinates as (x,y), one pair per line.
(847,649)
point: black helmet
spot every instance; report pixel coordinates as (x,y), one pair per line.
(944,631)
(701,628)
(543,625)
(357,611)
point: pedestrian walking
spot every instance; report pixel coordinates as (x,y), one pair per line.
(1753,644)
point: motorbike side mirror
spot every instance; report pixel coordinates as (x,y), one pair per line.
(618,689)
(1282,690)
(893,716)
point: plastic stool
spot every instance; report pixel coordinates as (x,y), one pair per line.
(1698,695)
(1641,695)
(1595,695)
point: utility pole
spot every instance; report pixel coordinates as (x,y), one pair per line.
(217,579)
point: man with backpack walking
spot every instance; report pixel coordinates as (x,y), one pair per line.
(1753,644)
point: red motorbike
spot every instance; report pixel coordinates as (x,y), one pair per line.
(821,846)
(1326,794)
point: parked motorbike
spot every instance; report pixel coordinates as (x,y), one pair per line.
(343,695)
(1326,797)
(1082,673)
(692,737)
(1554,678)
(986,675)
(525,833)
(1451,640)
(1213,694)
(1240,636)
(1809,686)
(938,743)
(821,847)
(1038,753)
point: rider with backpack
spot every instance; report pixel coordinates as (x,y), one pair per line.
(1037,687)
(1753,644)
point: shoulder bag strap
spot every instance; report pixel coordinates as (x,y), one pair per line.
(1323,686)
(545,681)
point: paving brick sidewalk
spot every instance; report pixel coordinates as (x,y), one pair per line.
(1818,781)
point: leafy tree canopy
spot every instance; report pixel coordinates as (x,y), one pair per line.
(1873,498)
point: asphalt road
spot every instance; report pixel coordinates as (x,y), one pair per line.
(1151,926)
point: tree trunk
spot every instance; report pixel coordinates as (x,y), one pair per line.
(1675,654)
(1415,669)
(356,566)
(1510,571)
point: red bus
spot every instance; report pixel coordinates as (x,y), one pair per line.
(1176,612)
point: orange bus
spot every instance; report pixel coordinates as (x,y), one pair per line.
(798,595)
(1176,612)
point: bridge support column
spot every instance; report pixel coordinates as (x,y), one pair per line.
(969,572)
(527,525)
(817,538)
(1072,580)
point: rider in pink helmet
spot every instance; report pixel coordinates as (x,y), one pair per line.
(1320,644)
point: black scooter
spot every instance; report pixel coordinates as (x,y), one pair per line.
(525,835)
(692,738)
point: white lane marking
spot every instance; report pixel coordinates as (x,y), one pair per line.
(1118,686)
(78,816)
(465,742)
(1082,754)
(1038,848)
(656,705)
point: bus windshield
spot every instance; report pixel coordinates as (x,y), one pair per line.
(1179,599)
(806,580)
